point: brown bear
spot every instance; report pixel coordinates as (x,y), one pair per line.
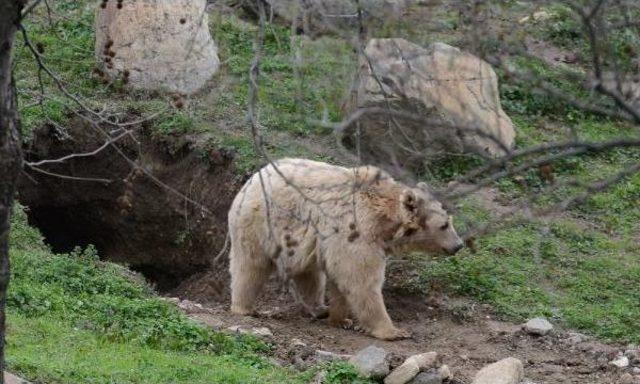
(318,223)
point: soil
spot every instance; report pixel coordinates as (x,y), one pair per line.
(467,336)
(133,219)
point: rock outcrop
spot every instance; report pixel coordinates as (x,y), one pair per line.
(442,100)
(156,44)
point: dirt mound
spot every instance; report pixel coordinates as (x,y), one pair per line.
(135,218)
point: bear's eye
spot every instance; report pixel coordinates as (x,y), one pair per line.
(445,226)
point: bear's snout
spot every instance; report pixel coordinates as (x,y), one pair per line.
(454,249)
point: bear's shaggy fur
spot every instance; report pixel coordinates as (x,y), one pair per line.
(322,224)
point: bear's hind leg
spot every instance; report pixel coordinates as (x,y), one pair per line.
(338,308)
(310,286)
(248,277)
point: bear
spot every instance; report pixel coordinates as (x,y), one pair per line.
(326,226)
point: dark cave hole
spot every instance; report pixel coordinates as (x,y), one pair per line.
(68,227)
(65,228)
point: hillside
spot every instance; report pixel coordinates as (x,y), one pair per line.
(579,267)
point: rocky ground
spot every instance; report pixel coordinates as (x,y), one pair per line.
(465,335)
(464,341)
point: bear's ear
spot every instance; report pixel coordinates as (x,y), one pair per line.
(422,185)
(409,201)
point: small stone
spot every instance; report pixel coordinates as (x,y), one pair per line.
(627,378)
(506,371)
(538,326)
(424,360)
(541,16)
(371,362)
(429,377)
(262,332)
(10,378)
(575,338)
(634,355)
(192,307)
(404,373)
(636,370)
(326,356)
(620,362)
(297,344)
(445,372)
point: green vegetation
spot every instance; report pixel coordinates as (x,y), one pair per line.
(578,276)
(581,267)
(75,319)
(578,267)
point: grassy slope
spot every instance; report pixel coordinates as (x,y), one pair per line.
(75,319)
(580,268)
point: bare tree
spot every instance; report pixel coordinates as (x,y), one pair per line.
(10,153)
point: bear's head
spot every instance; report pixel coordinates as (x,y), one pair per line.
(425,225)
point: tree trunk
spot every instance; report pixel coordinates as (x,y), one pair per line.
(10,154)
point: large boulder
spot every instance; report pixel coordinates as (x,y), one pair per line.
(156,44)
(445,101)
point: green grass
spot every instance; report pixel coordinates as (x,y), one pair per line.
(287,102)
(75,319)
(581,278)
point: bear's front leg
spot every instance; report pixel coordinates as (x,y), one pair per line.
(358,273)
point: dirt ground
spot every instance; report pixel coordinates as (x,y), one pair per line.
(466,335)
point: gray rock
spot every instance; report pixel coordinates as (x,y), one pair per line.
(575,338)
(156,44)
(429,377)
(326,356)
(424,360)
(445,372)
(404,373)
(627,378)
(464,112)
(371,362)
(298,344)
(10,378)
(633,355)
(620,362)
(538,326)
(506,371)
(262,332)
